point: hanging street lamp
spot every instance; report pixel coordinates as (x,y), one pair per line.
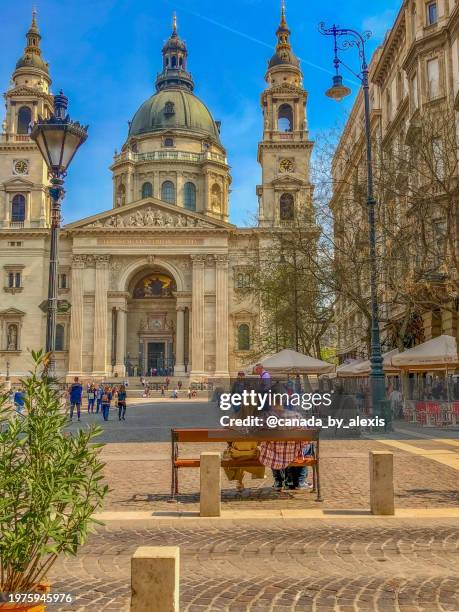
(338,91)
(58,139)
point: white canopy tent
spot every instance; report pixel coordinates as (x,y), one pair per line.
(349,369)
(438,353)
(291,362)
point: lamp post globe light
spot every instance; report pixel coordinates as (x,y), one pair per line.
(58,139)
(338,91)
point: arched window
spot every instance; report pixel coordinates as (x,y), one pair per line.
(189,196)
(18,208)
(60,337)
(180,61)
(174,61)
(24,119)
(287,207)
(216,196)
(168,192)
(285,118)
(243,337)
(147,190)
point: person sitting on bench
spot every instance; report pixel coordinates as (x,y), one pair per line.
(278,455)
(243,449)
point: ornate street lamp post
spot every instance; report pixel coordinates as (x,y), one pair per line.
(337,92)
(58,139)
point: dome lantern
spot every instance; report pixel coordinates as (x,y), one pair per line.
(175,55)
(32,53)
(284,53)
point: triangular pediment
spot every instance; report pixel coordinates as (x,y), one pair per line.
(12,312)
(148,213)
(285,179)
(18,181)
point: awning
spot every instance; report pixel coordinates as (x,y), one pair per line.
(289,361)
(438,353)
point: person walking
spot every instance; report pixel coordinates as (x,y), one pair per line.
(122,403)
(168,382)
(105,402)
(99,393)
(163,392)
(91,398)
(75,395)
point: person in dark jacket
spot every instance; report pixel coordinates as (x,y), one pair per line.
(75,395)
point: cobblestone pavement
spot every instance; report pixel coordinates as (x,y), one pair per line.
(138,467)
(379,566)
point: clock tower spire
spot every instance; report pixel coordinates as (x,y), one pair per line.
(285,150)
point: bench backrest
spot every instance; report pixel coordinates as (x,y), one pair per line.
(233,435)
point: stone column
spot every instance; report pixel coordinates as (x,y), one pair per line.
(221,316)
(210,484)
(179,368)
(197,325)
(101,315)
(120,367)
(381,482)
(155,579)
(76,317)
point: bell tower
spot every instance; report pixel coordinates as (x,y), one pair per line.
(24,201)
(285,151)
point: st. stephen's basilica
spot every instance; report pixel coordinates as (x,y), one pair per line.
(160,280)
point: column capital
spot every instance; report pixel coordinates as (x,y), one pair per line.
(180,308)
(198,260)
(102,261)
(222,260)
(80,261)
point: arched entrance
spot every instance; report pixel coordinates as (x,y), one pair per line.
(152,321)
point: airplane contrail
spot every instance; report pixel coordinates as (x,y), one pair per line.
(243,34)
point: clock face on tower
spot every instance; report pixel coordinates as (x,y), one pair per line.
(21,166)
(286,165)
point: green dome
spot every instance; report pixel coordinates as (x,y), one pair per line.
(173,109)
(32,60)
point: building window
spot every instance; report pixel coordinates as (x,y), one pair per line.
(169,109)
(414,92)
(438,158)
(285,118)
(24,120)
(168,142)
(147,190)
(432,16)
(18,208)
(243,337)
(189,196)
(287,207)
(433,78)
(60,337)
(168,192)
(14,280)
(63,281)
(243,280)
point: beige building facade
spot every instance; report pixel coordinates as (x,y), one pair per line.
(159,282)
(414,76)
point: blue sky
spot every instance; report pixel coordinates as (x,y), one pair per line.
(105,55)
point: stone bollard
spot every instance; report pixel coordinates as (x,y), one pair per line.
(155,574)
(381,482)
(210,488)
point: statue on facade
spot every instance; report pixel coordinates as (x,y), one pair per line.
(12,338)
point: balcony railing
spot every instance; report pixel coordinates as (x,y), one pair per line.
(171,156)
(17,224)
(15,138)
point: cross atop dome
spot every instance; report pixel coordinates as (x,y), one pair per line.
(284,53)
(174,74)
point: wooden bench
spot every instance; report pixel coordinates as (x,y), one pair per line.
(229,435)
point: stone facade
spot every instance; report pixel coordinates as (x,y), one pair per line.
(413,74)
(158,281)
